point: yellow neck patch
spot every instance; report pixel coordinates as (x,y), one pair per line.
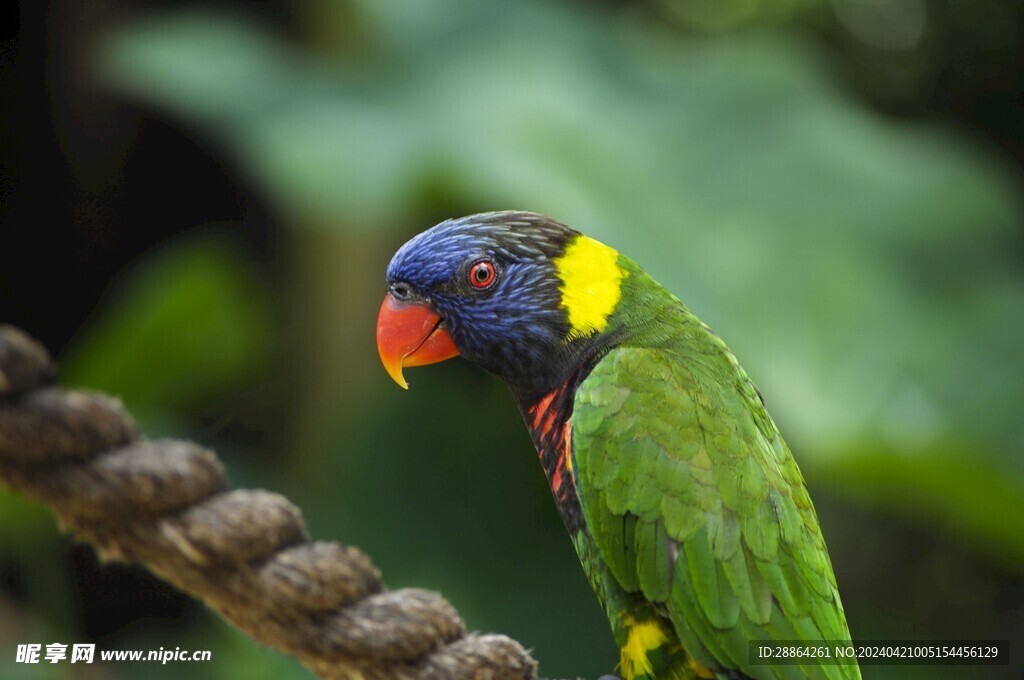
(591,285)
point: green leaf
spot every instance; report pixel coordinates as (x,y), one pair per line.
(184,325)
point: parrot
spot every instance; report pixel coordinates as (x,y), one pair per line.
(686,508)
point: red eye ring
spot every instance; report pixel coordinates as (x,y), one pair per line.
(482,274)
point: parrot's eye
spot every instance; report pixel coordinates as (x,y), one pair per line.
(482,274)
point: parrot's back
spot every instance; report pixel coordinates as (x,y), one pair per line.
(688,511)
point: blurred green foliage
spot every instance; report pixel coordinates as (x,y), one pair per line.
(856,254)
(183,328)
(866,270)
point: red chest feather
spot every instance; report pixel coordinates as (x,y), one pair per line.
(550,424)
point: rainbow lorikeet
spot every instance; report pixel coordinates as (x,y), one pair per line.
(688,512)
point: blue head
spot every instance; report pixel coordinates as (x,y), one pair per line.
(492,281)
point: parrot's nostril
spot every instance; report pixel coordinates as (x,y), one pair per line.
(401,291)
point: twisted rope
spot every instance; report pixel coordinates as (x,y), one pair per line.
(245,553)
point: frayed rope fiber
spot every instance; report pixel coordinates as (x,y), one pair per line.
(245,553)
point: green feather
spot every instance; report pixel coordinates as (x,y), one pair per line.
(653,565)
(696,509)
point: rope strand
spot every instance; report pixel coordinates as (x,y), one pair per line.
(245,553)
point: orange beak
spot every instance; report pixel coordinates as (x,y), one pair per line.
(410,334)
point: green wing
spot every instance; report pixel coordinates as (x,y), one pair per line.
(695,502)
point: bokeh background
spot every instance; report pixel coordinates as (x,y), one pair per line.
(199,200)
